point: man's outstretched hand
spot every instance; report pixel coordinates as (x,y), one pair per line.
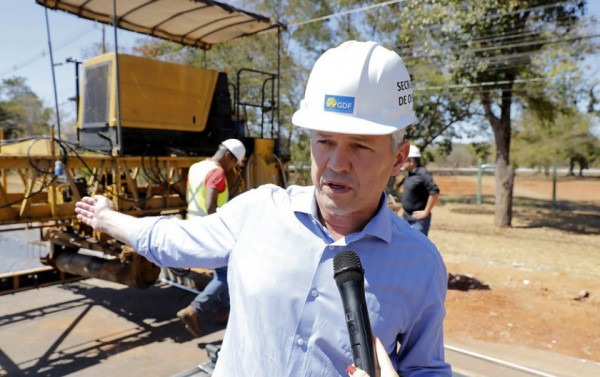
(90,211)
(386,369)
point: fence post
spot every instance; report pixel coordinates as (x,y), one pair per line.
(554,169)
(479,173)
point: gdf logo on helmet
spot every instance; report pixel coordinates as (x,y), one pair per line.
(357,88)
(339,104)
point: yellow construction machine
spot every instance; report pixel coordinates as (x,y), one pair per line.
(141,124)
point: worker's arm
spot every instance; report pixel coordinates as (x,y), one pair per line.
(211,199)
(431,200)
(98,212)
(215,183)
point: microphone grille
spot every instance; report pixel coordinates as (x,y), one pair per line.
(347,267)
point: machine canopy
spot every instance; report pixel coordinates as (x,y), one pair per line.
(199,23)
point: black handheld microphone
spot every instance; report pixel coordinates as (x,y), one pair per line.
(350,279)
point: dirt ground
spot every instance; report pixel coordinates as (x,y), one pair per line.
(536,284)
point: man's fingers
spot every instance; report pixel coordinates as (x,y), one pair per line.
(355,372)
(85,209)
(385,364)
(387,368)
(88,200)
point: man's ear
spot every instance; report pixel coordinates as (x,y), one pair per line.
(401,156)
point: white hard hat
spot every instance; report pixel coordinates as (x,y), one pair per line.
(357,88)
(236,148)
(414,152)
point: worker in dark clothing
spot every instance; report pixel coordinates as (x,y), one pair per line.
(420,193)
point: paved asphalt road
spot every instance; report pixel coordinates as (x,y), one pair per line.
(97,328)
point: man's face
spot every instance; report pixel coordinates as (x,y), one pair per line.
(230,162)
(351,171)
(410,164)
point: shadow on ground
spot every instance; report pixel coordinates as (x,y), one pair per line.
(568,216)
(143,308)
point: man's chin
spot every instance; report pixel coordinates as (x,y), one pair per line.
(334,205)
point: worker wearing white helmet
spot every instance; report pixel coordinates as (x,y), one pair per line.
(419,193)
(287,316)
(207,190)
(414,152)
(207,183)
(236,148)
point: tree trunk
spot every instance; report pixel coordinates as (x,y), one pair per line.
(571,167)
(504,174)
(504,196)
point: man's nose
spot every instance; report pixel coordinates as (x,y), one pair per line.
(339,160)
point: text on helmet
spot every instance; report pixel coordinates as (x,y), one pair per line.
(339,104)
(403,85)
(406,98)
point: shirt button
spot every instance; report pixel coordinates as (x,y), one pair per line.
(330,247)
(314,293)
(300,341)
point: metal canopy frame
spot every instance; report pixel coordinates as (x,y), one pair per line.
(198,23)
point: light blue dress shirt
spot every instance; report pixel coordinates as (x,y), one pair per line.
(287,317)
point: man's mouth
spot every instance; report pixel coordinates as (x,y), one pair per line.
(337,186)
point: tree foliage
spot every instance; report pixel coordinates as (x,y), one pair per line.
(21,111)
(495,50)
(555,118)
(566,139)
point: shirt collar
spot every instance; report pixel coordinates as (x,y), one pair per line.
(379,226)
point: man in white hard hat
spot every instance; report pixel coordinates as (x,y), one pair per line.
(287,316)
(420,192)
(207,190)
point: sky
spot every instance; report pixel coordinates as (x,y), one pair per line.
(24,48)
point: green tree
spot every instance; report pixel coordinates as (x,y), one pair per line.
(439,109)
(22,113)
(558,119)
(482,150)
(491,48)
(566,139)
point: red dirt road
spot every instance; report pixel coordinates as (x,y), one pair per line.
(543,272)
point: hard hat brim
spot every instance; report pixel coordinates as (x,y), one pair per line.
(349,124)
(236,148)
